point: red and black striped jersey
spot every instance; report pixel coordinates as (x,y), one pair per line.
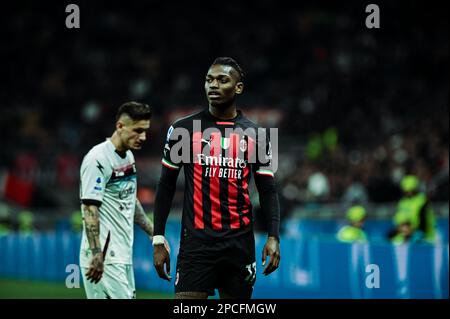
(218,158)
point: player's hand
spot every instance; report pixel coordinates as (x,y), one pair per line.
(95,272)
(166,245)
(161,257)
(271,249)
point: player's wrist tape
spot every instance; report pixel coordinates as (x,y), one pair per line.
(276,237)
(158,240)
(95,251)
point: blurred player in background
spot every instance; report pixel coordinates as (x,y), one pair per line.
(110,208)
(217,247)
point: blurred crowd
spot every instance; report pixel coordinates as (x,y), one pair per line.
(358,109)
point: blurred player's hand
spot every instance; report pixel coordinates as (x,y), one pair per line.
(161,257)
(95,272)
(271,249)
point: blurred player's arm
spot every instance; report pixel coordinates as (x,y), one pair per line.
(141,219)
(163,202)
(270,206)
(268,199)
(164,196)
(92,227)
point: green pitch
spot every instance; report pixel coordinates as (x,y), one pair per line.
(19,289)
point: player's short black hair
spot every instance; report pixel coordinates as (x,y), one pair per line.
(230,62)
(135,110)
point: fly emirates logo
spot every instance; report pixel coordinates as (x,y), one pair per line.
(224,167)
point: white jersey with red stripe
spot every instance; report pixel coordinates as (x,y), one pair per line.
(109,179)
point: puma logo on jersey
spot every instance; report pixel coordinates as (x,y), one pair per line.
(206,141)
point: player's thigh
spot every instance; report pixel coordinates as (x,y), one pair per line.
(93,291)
(118,281)
(195,273)
(131,282)
(225,295)
(237,281)
(191,295)
(237,269)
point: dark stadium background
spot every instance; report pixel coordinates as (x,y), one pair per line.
(356,108)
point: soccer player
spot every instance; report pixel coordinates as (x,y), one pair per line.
(217,245)
(110,207)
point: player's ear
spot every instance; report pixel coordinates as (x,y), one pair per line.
(239,87)
(119,125)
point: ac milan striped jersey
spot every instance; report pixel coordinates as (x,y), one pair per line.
(217,171)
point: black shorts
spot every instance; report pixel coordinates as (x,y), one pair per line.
(228,265)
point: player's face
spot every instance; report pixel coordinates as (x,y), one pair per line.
(134,133)
(359,224)
(405,229)
(222,84)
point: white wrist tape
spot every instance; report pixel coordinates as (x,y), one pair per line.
(158,240)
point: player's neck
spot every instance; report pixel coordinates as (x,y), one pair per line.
(117,143)
(223,113)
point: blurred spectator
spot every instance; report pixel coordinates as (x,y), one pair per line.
(355,193)
(414,215)
(26,222)
(76,222)
(353,232)
(404,231)
(5,220)
(318,186)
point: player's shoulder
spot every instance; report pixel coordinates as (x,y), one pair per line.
(130,156)
(187,120)
(99,149)
(97,152)
(247,123)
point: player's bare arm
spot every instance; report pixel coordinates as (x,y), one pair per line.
(141,219)
(92,224)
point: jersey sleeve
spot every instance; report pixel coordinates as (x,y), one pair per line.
(167,182)
(94,174)
(263,163)
(171,156)
(265,183)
